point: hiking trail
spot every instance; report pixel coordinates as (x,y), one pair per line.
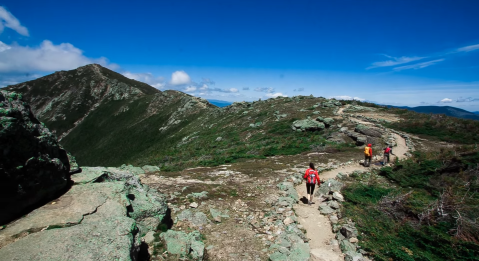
(318,227)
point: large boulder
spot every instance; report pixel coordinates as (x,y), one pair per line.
(368,131)
(307,125)
(34,167)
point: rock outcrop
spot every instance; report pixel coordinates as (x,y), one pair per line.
(33,167)
(102,215)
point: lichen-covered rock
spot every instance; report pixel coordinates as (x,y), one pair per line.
(330,185)
(363,129)
(180,243)
(109,239)
(33,166)
(148,168)
(307,125)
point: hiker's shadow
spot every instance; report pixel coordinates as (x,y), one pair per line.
(304,200)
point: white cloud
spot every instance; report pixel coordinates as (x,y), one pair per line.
(233,90)
(445,100)
(157,82)
(204,87)
(10,21)
(395,61)
(274,95)
(47,57)
(179,78)
(190,89)
(468,48)
(417,65)
(345,97)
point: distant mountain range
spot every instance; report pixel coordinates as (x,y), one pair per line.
(447,110)
(220,103)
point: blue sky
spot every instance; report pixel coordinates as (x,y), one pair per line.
(402,53)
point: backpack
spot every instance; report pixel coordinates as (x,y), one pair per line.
(312,176)
(366,151)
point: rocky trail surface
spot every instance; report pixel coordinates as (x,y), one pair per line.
(323,242)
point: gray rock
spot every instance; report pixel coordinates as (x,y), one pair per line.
(373,132)
(347,246)
(307,125)
(194,205)
(361,140)
(200,195)
(180,243)
(33,166)
(325,210)
(348,231)
(149,168)
(333,204)
(328,121)
(149,237)
(196,218)
(333,219)
(115,238)
(337,196)
(328,186)
(353,256)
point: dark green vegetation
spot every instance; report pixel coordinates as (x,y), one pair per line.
(437,126)
(429,211)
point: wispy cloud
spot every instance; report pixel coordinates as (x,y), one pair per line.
(468,99)
(264,89)
(10,21)
(298,90)
(468,48)
(394,61)
(417,65)
(245,88)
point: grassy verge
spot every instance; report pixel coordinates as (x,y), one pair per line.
(427,211)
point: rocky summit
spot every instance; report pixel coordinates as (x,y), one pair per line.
(162,175)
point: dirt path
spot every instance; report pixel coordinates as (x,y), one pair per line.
(318,227)
(401,148)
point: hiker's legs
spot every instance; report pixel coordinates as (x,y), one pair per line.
(312,193)
(385,160)
(365,161)
(308,189)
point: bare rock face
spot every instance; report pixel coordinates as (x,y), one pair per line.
(33,166)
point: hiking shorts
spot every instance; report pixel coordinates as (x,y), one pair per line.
(310,187)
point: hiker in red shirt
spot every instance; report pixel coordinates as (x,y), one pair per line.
(387,151)
(312,178)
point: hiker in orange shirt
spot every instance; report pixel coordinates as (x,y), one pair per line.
(368,155)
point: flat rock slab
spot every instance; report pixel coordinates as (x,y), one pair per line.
(88,175)
(111,239)
(71,209)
